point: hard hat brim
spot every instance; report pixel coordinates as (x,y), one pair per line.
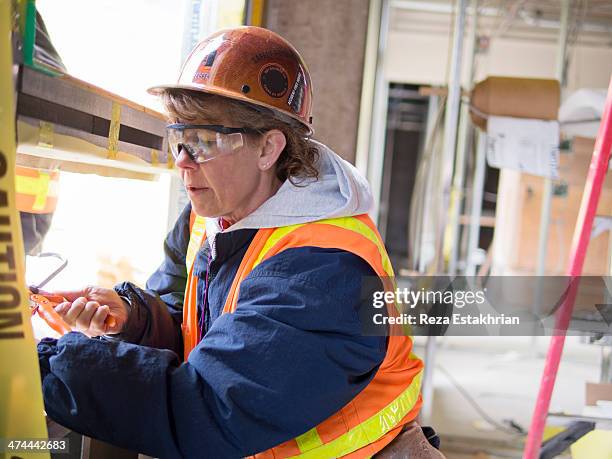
(158,90)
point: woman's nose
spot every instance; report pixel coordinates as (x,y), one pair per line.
(184,161)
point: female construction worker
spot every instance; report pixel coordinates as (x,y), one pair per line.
(247,339)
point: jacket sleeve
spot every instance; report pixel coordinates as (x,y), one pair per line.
(156,312)
(290,356)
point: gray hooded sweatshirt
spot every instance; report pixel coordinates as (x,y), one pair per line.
(340,191)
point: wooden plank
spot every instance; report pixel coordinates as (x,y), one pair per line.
(485,220)
(519,207)
(80,168)
(91,153)
(138,151)
(564,213)
(139,119)
(87,98)
(62,92)
(113,97)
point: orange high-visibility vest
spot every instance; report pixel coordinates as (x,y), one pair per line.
(366,424)
(36,190)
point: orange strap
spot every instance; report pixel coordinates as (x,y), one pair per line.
(307,235)
(36,190)
(246,265)
(189,327)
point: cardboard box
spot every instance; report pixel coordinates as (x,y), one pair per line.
(573,170)
(534,98)
(598,391)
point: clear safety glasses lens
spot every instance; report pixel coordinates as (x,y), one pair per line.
(202,145)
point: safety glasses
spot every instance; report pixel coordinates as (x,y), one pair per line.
(203,142)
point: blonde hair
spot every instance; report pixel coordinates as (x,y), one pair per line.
(298,159)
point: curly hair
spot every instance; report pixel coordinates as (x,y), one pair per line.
(298,159)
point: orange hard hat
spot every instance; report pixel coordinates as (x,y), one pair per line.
(253,65)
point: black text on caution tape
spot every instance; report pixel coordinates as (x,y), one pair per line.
(11,321)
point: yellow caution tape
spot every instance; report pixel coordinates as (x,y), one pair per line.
(113,131)
(38,187)
(455,200)
(21,404)
(45,134)
(154,157)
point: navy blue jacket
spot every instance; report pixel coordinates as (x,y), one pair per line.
(291,355)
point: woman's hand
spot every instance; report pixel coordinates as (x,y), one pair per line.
(87,310)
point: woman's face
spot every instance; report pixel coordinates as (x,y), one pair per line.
(233,185)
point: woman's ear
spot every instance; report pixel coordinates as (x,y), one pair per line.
(274,143)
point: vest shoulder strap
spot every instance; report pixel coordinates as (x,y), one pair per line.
(360,230)
(357,235)
(197,233)
(36,191)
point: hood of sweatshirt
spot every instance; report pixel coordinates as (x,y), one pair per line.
(340,191)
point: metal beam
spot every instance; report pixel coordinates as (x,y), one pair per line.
(376,151)
(476,207)
(548,183)
(451,120)
(450,141)
(464,143)
(370,66)
(527,17)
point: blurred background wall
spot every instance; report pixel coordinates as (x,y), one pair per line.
(330,35)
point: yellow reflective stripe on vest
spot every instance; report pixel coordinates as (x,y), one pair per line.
(195,240)
(309,440)
(358,226)
(369,430)
(348,223)
(276,236)
(40,187)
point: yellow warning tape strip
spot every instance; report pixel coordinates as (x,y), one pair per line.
(170,161)
(113,131)
(21,404)
(45,134)
(154,157)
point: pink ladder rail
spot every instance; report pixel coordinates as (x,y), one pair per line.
(582,232)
